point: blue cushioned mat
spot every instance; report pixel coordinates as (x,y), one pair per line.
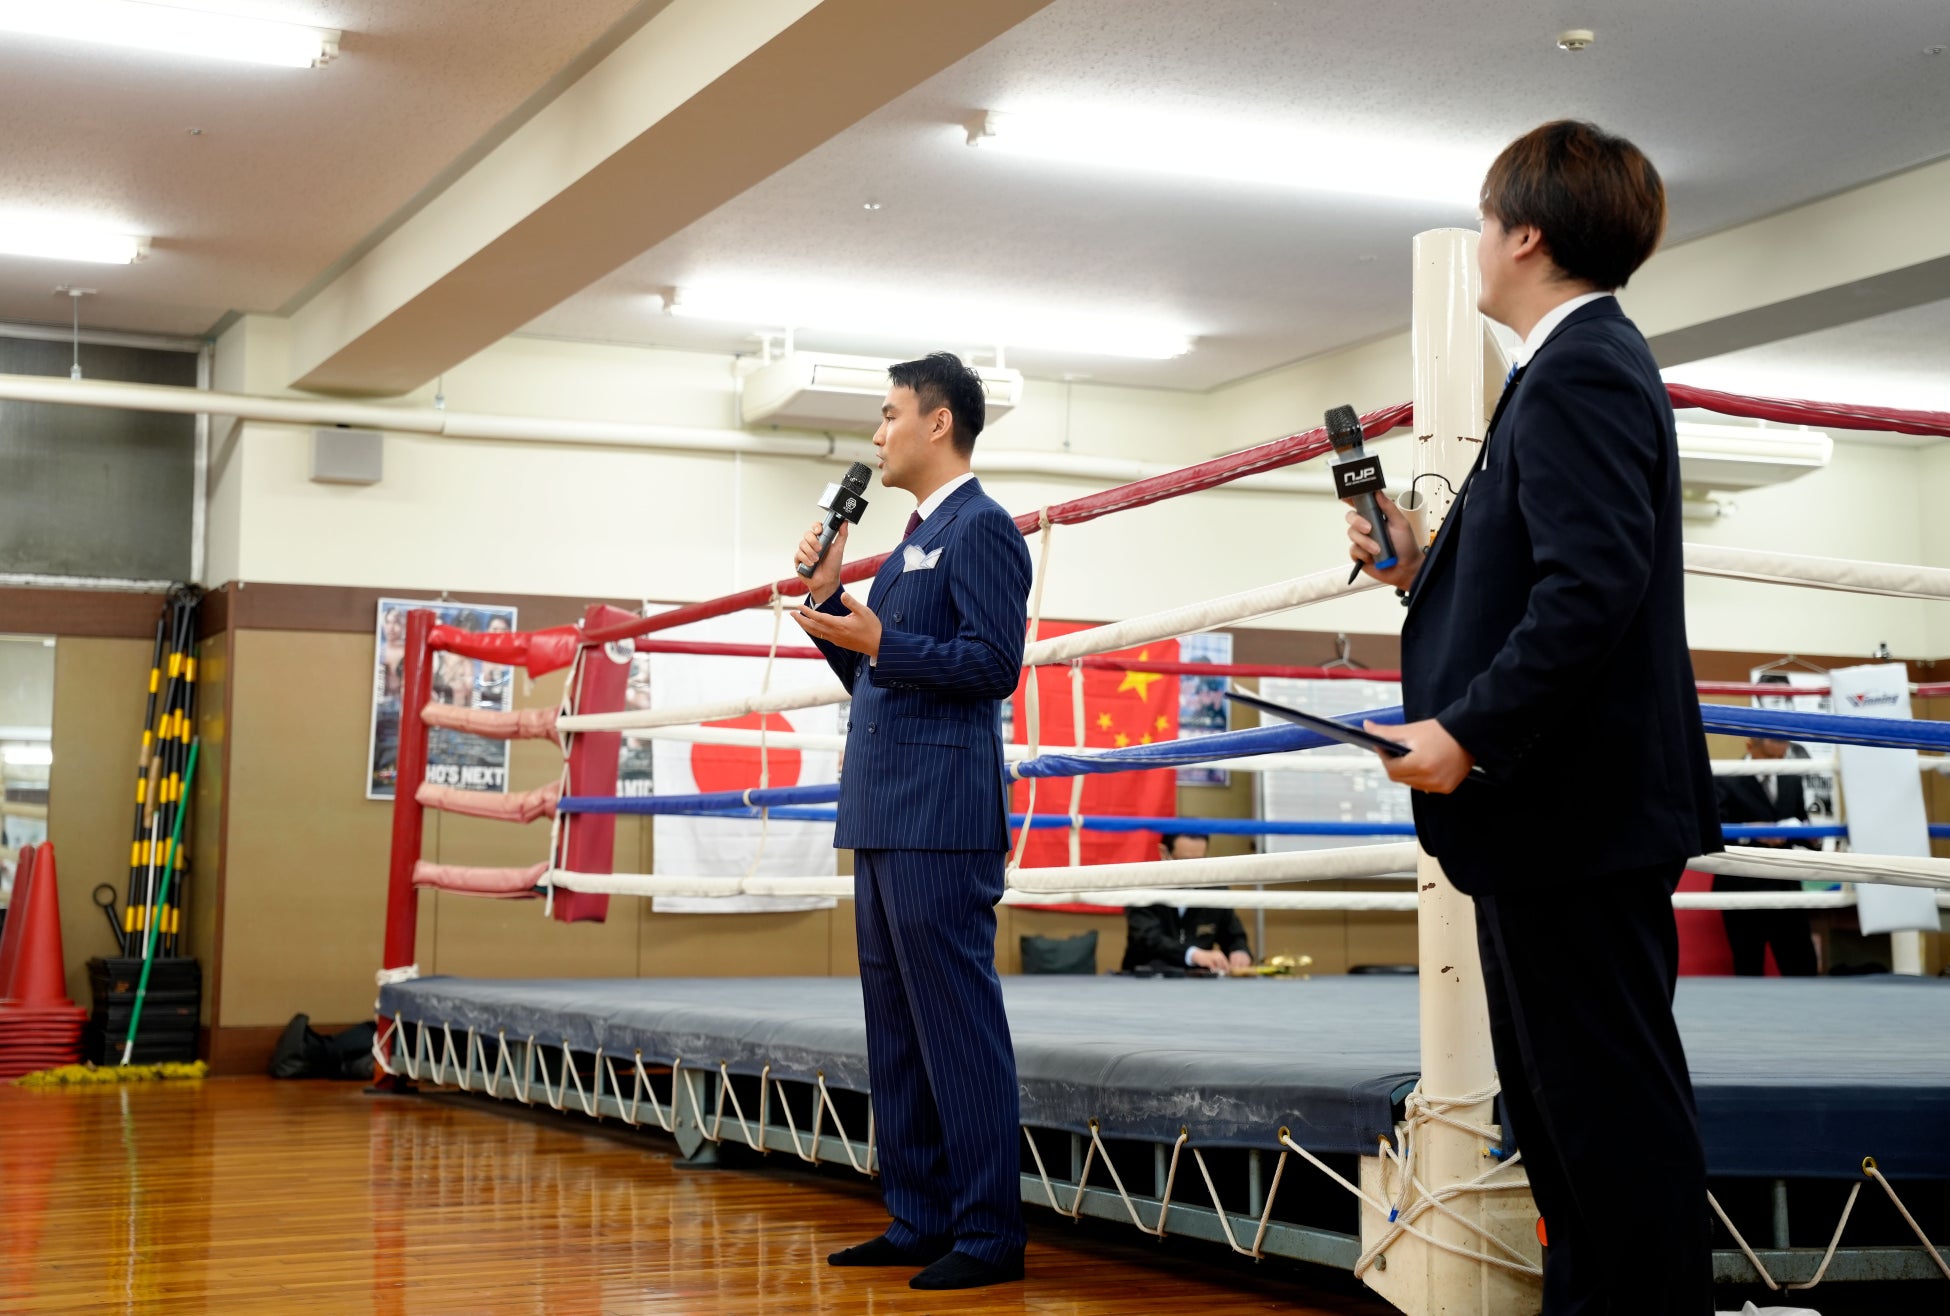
(1795,1077)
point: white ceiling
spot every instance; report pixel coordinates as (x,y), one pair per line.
(1748,106)
(294,167)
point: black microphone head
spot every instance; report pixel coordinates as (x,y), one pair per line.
(856,478)
(1344,428)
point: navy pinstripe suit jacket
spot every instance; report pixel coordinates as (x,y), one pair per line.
(924,740)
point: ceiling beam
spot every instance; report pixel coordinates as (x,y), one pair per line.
(705,101)
(1881,247)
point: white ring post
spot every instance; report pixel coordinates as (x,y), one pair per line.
(1458,376)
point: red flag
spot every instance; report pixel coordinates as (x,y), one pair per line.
(1119,709)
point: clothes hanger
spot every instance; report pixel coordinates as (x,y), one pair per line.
(1791,661)
(1343,655)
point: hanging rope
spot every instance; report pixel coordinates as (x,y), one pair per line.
(1032,702)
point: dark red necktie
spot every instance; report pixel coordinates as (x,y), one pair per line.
(913,523)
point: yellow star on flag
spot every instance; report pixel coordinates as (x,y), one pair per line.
(1144,740)
(1162,723)
(1140,681)
(1103,721)
(1123,740)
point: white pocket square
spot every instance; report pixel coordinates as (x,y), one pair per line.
(916,560)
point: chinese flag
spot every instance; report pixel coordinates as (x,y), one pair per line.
(1119,709)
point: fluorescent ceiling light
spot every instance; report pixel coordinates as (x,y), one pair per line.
(916,318)
(64,242)
(28,756)
(1235,152)
(172,30)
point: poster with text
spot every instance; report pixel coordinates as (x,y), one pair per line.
(1202,702)
(470,763)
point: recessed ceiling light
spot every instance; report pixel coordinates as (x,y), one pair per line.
(1232,151)
(173,30)
(869,205)
(52,241)
(903,318)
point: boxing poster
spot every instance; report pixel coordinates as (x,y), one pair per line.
(469,763)
(1201,702)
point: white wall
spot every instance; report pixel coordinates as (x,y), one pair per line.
(576,520)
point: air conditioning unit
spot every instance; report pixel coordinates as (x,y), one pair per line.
(1732,458)
(823,391)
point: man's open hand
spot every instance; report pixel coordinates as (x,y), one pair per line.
(1436,761)
(859,630)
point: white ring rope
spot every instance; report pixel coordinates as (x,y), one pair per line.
(1032,701)
(1231,608)
(1890,579)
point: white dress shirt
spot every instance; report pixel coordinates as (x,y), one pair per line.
(1542,329)
(940,496)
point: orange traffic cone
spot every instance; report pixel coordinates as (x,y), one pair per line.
(10,939)
(38,979)
(39,1026)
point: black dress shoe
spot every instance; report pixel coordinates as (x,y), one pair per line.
(958,1270)
(883,1251)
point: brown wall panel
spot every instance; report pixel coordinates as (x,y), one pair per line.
(305,859)
(204,907)
(95,613)
(99,689)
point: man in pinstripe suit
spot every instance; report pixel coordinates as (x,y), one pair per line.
(928,658)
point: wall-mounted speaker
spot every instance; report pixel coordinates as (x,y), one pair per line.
(347,456)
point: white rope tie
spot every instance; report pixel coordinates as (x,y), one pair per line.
(724,1090)
(792,1127)
(1076,783)
(1032,702)
(1049,1191)
(764,726)
(558,826)
(845,1142)
(389,977)
(1869,1168)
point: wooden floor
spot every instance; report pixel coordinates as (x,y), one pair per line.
(246,1195)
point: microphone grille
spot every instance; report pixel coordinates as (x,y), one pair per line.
(1344,427)
(856,478)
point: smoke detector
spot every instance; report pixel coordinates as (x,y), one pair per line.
(1576,39)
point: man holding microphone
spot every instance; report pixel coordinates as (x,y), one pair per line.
(928,658)
(1547,616)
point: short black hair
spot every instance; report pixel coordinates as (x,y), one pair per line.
(1597,200)
(939,379)
(1169,840)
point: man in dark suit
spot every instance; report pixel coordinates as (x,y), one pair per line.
(928,658)
(1178,937)
(1548,616)
(1750,932)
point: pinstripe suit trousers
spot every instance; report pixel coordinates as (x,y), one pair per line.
(939,1058)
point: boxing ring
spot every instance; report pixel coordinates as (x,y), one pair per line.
(1310,1119)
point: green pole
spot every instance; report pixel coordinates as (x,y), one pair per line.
(162,899)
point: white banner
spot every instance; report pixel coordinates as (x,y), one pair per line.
(1356,797)
(1882,796)
(727,847)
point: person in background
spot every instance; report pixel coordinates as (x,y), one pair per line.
(1750,932)
(1196,938)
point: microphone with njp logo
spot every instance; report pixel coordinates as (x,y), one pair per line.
(842,503)
(1357,476)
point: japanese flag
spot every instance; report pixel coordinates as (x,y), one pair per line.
(728,847)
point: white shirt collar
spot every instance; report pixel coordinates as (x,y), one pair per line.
(1546,326)
(940,496)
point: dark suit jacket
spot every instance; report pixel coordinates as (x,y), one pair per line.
(1744,800)
(1548,623)
(924,739)
(1159,933)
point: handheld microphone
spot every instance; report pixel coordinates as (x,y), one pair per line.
(842,503)
(1357,476)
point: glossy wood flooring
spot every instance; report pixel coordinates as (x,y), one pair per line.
(245,1195)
